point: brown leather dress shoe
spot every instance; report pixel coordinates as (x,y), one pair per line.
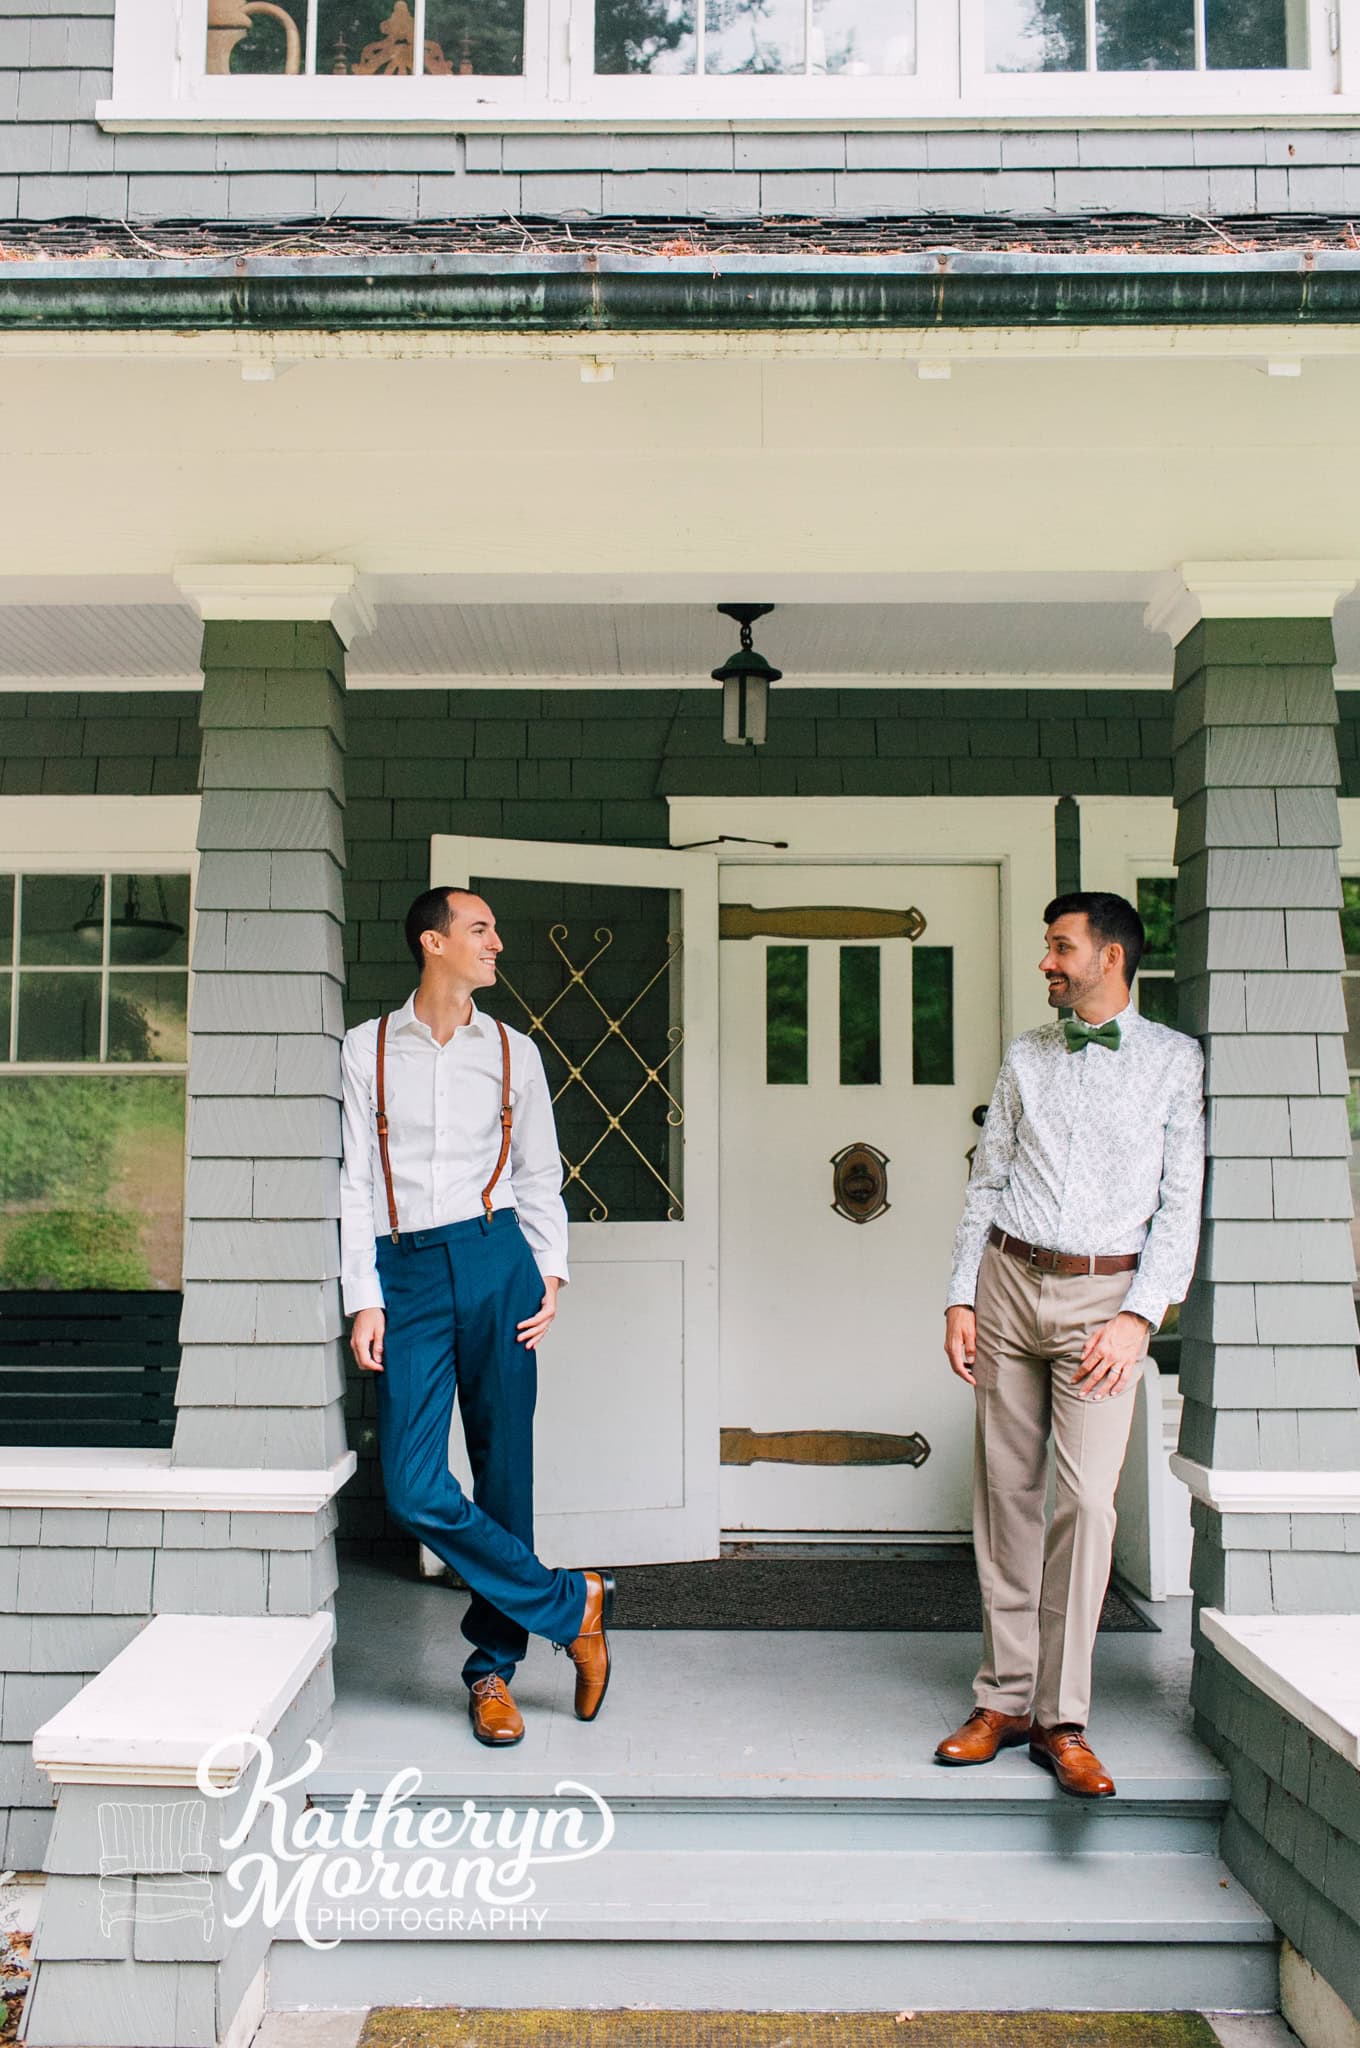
(590,1651)
(982,1735)
(496,1720)
(1077,1768)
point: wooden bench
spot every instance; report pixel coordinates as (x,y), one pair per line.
(88,1369)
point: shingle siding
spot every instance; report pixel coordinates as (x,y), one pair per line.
(56,62)
(1292,1834)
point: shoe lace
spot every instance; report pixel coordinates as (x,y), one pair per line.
(489,1688)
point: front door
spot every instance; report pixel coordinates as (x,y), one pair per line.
(845,1038)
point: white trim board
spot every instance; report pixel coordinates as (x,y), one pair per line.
(59,1478)
(1269,1493)
(217,1678)
(61,831)
(1309,1664)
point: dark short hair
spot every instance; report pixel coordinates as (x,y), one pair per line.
(1112,919)
(429,913)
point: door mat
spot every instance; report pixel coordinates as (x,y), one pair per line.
(937,1596)
(394,2026)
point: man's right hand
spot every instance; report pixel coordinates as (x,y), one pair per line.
(960,1341)
(366,1339)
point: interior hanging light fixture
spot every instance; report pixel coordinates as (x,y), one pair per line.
(746,677)
(138,937)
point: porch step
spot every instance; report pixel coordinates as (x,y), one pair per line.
(812,1930)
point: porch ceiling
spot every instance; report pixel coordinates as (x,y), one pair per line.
(518,642)
(57,645)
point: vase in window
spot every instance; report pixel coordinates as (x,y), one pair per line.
(230,21)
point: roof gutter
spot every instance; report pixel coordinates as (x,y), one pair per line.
(605,292)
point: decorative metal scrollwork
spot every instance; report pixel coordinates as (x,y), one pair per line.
(654,1071)
(860,1182)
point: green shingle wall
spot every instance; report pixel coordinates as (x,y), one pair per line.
(598,765)
(99,743)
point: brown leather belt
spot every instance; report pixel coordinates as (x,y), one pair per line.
(1067,1264)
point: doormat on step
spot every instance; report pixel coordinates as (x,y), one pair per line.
(395,2026)
(936,1596)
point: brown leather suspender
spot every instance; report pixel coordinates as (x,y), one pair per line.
(382,1128)
(507,1125)
(507,1120)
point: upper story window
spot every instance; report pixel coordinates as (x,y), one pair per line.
(463,63)
(1146,35)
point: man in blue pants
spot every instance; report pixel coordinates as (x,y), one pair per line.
(453,1246)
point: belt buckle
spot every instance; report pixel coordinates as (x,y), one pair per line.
(1032,1255)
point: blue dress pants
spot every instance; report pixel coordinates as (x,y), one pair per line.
(453,1296)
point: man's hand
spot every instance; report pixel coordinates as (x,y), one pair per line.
(1111,1357)
(535,1328)
(960,1341)
(366,1339)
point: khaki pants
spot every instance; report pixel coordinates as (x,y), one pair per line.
(1041,1599)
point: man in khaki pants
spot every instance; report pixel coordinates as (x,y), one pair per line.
(1079,1229)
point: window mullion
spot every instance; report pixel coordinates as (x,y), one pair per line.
(700,37)
(309,59)
(1201,38)
(807,38)
(104,974)
(14,975)
(418,51)
(1090,35)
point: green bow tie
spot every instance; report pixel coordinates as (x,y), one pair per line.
(1078,1034)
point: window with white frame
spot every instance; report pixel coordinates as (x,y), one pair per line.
(467,62)
(94,973)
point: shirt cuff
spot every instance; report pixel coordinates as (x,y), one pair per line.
(362,1293)
(1141,1301)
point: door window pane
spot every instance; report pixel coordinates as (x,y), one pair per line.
(1022,36)
(6,919)
(754,36)
(59,1016)
(861,1048)
(592,973)
(61,921)
(656,36)
(932,1016)
(786,1016)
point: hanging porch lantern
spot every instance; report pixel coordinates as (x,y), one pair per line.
(746,677)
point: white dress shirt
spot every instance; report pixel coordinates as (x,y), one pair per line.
(1094,1151)
(444,1136)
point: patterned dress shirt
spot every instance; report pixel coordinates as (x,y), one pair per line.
(1094,1151)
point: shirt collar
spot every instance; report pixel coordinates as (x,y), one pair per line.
(405,1019)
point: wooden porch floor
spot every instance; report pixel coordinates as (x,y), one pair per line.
(702,1715)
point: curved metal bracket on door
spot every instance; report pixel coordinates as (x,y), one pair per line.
(859,1182)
